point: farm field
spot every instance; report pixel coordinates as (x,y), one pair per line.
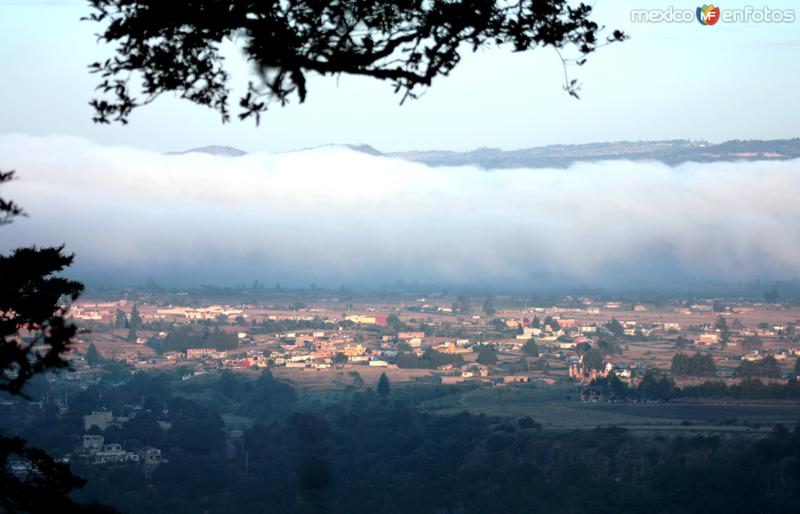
(551,407)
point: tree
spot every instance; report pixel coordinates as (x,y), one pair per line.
(383,388)
(528,423)
(339,360)
(615,327)
(35,299)
(700,365)
(682,342)
(174,47)
(593,360)
(767,367)
(462,305)
(751,343)
(724,332)
(132,335)
(487,356)
(93,357)
(609,346)
(134,323)
(488,306)
(136,318)
(531,348)
(552,323)
(771,296)
(394,321)
(120,319)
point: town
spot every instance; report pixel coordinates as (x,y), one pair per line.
(488,340)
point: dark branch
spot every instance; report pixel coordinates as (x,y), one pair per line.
(175,46)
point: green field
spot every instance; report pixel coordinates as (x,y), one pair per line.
(551,407)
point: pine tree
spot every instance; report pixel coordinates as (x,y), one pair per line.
(93,357)
(384,388)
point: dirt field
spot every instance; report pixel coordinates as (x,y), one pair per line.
(324,379)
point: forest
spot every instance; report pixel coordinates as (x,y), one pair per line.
(380,452)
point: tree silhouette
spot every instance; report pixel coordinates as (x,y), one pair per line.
(383,388)
(34,336)
(531,348)
(93,357)
(488,306)
(593,360)
(724,332)
(34,332)
(487,356)
(175,46)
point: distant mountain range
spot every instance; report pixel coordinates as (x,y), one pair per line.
(226,151)
(561,156)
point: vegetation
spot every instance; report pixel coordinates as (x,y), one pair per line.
(724,332)
(175,47)
(430,359)
(752,343)
(93,357)
(182,337)
(698,365)
(487,355)
(34,338)
(593,360)
(329,457)
(767,367)
(531,348)
(383,388)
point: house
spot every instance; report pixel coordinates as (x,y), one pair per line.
(367,320)
(114,454)
(202,353)
(410,335)
(92,443)
(529,332)
(414,342)
(102,420)
(708,339)
(352,351)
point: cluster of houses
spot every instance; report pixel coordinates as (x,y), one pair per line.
(95,450)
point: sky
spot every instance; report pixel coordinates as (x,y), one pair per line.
(669,81)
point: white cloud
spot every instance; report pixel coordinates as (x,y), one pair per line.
(332,215)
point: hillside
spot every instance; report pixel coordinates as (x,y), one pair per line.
(561,156)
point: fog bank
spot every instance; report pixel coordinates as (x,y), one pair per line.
(334,216)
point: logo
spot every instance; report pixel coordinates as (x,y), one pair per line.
(708,14)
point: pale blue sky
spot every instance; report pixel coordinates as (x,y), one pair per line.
(668,81)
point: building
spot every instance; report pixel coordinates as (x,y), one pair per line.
(92,443)
(405,336)
(367,320)
(114,454)
(102,420)
(204,353)
(352,351)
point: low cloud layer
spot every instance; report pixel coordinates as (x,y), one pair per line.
(333,216)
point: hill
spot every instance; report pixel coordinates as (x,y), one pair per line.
(561,156)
